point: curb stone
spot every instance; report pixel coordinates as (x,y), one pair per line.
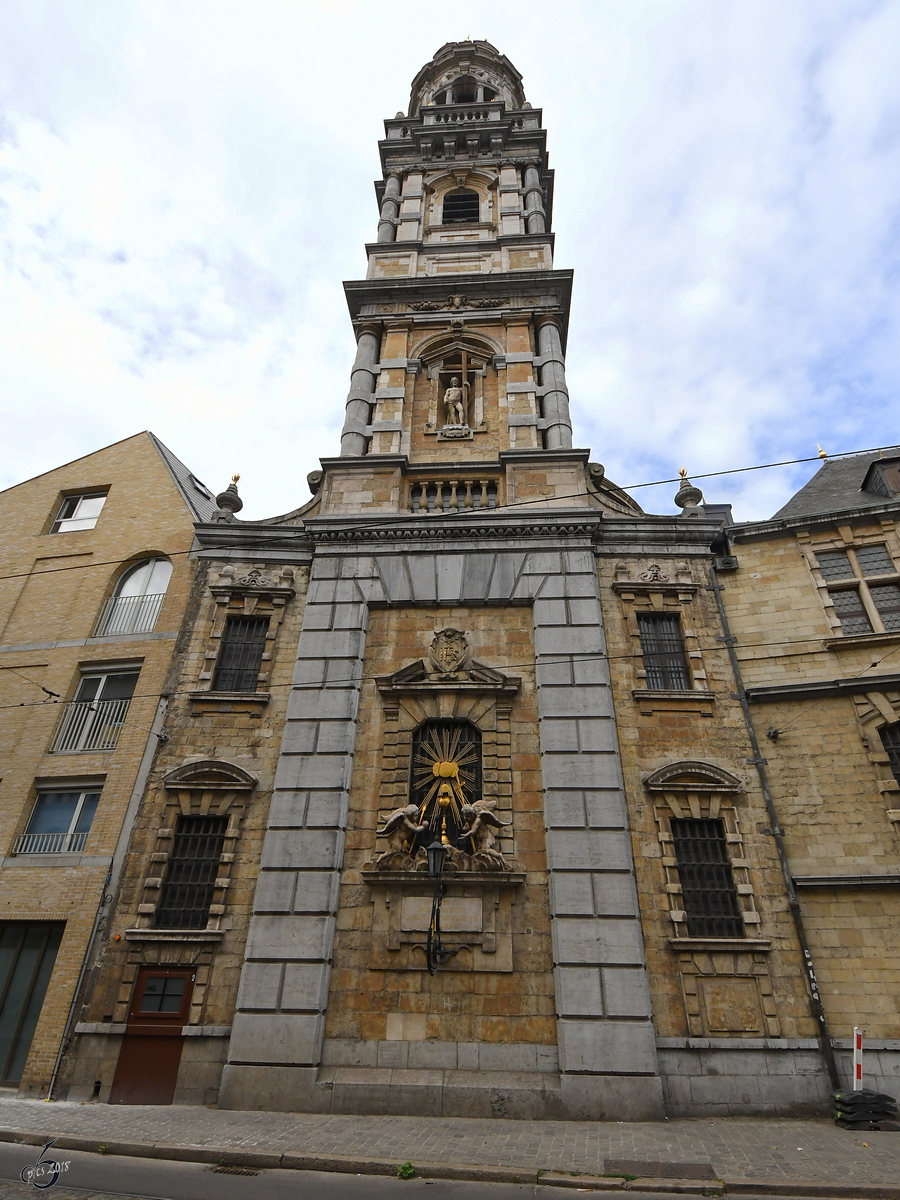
(342,1164)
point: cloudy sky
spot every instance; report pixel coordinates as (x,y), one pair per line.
(184,184)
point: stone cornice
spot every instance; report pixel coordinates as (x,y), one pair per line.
(845,516)
(462,527)
(825,688)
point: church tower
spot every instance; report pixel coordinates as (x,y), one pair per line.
(450,685)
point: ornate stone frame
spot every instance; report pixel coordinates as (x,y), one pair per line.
(669,588)
(479,904)
(724,980)
(874,710)
(206,787)
(250,593)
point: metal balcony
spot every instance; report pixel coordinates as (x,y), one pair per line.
(129,614)
(90,725)
(49,843)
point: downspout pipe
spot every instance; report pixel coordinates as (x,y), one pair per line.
(759,762)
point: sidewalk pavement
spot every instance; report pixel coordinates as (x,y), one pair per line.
(778,1156)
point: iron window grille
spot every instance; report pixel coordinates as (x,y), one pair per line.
(708,891)
(662,648)
(861,604)
(59,823)
(78,512)
(240,657)
(890,739)
(461,207)
(187,889)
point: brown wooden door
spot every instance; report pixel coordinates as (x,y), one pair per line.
(151,1049)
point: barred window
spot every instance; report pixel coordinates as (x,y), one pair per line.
(851,611)
(187,890)
(662,647)
(243,644)
(707,885)
(890,739)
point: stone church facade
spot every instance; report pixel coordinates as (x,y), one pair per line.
(469,637)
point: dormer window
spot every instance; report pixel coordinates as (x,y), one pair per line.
(883,478)
(461,207)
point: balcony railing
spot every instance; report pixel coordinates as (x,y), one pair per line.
(49,843)
(90,725)
(452,495)
(129,614)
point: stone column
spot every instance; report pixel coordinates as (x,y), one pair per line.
(361,396)
(390,207)
(535,218)
(558,428)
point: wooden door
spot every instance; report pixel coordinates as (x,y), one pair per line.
(151,1049)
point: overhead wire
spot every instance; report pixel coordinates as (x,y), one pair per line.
(394,518)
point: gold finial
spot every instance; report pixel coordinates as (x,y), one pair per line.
(822,453)
(235,478)
(683,472)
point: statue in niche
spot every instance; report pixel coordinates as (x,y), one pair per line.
(455,403)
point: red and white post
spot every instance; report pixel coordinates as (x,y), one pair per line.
(857,1059)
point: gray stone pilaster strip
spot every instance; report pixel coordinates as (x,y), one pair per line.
(362,392)
(553,383)
(284,983)
(601,984)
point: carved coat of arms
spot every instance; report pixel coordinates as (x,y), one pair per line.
(449,651)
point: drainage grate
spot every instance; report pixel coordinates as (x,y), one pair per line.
(658,1170)
(233,1171)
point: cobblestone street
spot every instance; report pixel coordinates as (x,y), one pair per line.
(740,1151)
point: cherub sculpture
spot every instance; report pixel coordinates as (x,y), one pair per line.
(399,829)
(481,823)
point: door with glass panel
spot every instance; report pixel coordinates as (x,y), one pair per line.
(95,717)
(59,823)
(148,1064)
(27,955)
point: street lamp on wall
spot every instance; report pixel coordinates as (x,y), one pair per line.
(435,954)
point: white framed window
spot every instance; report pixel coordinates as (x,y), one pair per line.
(135,604)
(60,822)
(78,512)
(94,719)
(864,587)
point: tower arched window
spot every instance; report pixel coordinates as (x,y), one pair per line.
(135,604)
(460,206)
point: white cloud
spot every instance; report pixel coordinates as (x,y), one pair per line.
(183,188)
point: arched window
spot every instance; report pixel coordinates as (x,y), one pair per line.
(135,604)
(461,205)
(445,775)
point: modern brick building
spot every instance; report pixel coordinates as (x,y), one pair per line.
(95,585)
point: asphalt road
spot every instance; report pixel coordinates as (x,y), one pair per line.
(115,1177)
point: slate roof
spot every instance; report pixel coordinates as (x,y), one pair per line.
(197,495)
(836,486)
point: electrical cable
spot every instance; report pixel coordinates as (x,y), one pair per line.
(405,517)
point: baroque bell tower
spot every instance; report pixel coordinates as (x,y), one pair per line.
(451,680)
(461,320)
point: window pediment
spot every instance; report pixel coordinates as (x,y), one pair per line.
(210,774)
(692,776)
